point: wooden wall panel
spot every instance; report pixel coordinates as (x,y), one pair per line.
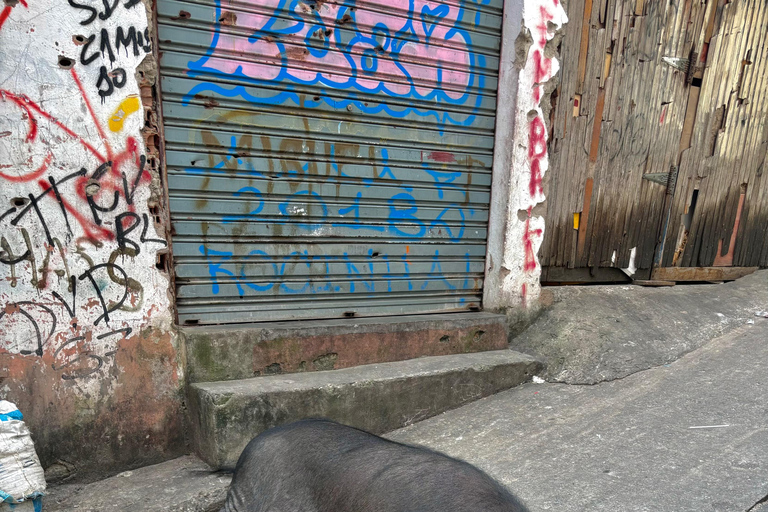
(723,167)
(632,104)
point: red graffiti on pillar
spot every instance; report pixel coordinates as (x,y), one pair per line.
(535,187)
(537,139)
(530,256)
(541,68)
(541,27)
(31,176)
(537,149)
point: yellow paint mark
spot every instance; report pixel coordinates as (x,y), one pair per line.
(127,107)
(576,219)
(607,66)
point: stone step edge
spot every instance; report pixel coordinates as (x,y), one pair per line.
(220,353)
(378,398)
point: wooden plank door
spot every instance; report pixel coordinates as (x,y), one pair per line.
(626,117)
(719,217)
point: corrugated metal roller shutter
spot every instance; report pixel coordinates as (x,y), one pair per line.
(328,159)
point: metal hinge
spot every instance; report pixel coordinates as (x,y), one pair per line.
(677,63)
(668,179)
(687,66)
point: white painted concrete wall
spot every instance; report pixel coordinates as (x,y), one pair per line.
(74,282)
(516,231)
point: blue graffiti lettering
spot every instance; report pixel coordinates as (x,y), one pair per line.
(396,42)
(215,268)
(318,277)
(405,216)
(256,192)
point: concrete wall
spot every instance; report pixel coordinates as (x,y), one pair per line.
(87,345)
(87,349)
(520,160)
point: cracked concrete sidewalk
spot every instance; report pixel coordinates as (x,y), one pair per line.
(623,443)
(595,334)
(688,436)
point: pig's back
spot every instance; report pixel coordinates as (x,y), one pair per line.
(321,466)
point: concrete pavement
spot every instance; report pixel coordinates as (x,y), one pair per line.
(594,334)
(620,446)
(688,436)
(185,484)
(623,444)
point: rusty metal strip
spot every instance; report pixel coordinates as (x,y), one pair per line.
(727,259)
(584,217)
(597,124)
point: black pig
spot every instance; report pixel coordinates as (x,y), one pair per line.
(322,466)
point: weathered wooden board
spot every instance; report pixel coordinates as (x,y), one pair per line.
(562,276)
(701,273)
(627,123)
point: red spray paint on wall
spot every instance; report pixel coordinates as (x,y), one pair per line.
(112,182)
(7,12)
(529,264)
(541,69)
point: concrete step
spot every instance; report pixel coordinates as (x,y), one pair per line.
(378,398)
(216,353)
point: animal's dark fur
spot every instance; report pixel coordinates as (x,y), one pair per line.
(321,466)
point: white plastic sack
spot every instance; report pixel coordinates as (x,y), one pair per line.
(21,476)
